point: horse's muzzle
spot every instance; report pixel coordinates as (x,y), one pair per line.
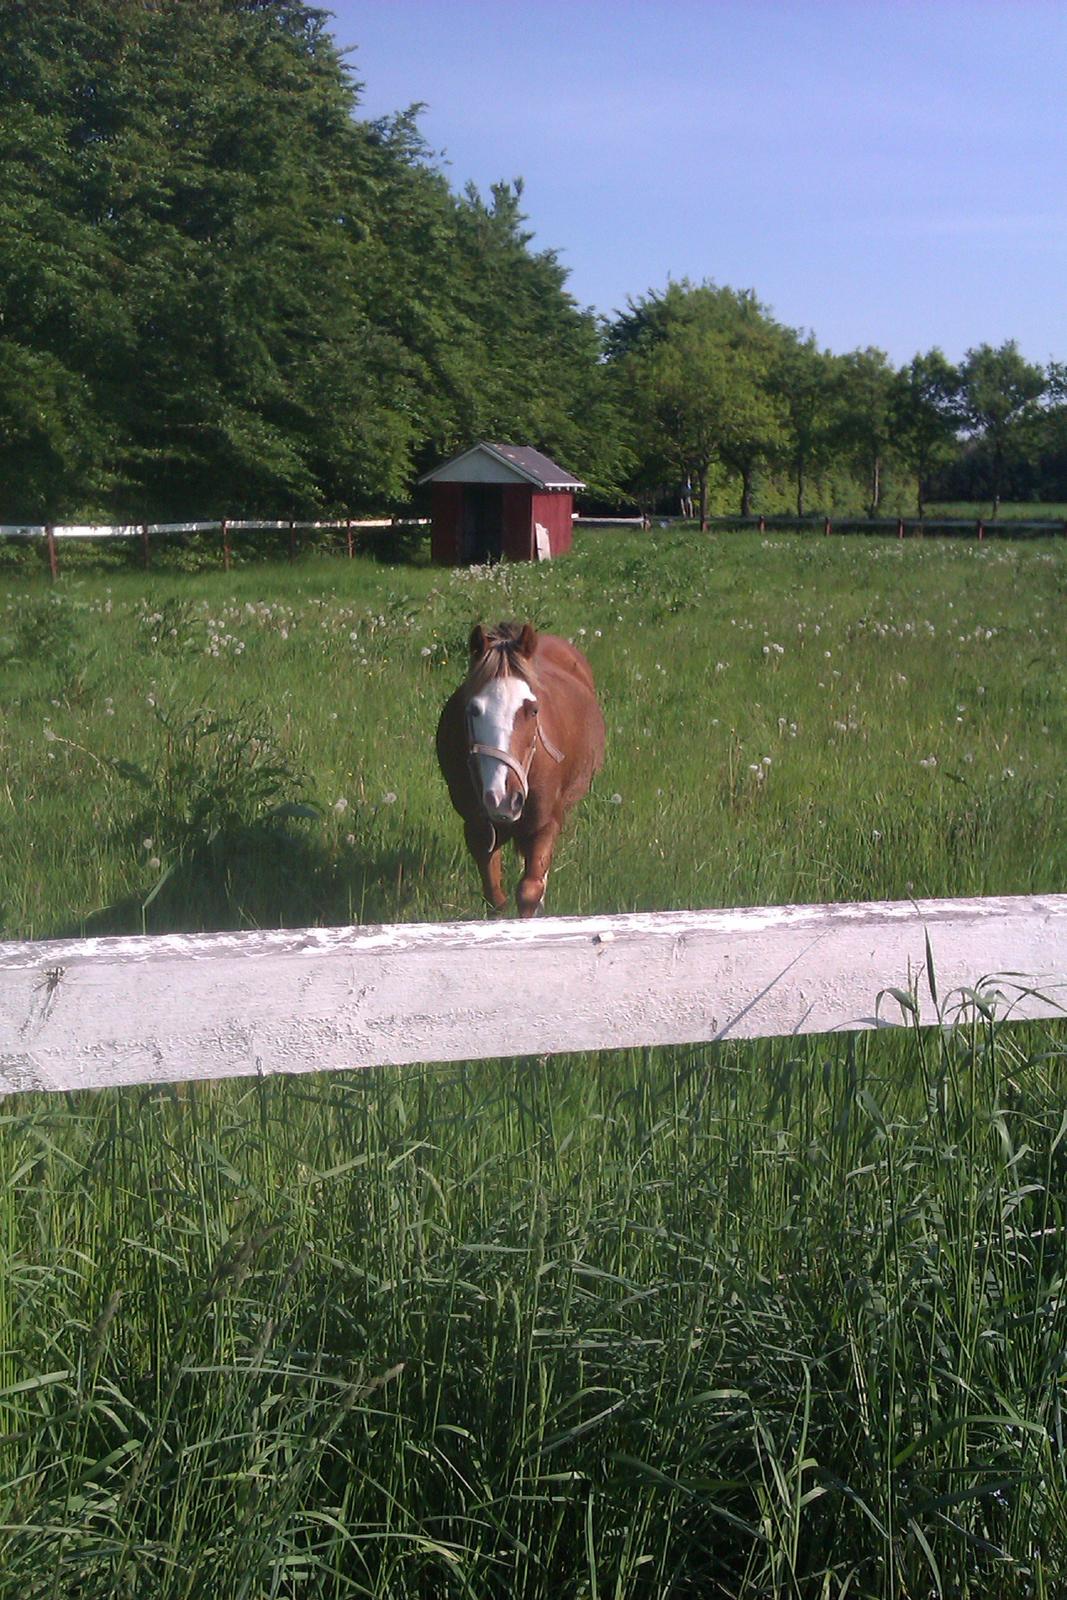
(501,805)
(506,808)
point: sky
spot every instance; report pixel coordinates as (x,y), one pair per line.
(889,174)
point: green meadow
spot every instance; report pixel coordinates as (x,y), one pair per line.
(782,1319)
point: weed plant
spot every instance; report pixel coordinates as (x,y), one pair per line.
(775,1319)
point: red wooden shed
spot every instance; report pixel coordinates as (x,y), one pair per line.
(499,500)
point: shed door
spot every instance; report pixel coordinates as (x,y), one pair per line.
(482,537)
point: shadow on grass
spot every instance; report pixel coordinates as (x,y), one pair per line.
(272,879)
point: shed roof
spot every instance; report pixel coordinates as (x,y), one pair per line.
(508,463)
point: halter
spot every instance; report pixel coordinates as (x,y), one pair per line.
(521,769)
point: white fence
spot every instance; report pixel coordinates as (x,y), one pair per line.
(145,531)
(92,1013)
(51,535)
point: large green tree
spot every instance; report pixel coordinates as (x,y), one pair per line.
(700,362)
(924,413)
(805,378)
(864,417)
(1000,393)
(533,356)
(220,290)
(184,211)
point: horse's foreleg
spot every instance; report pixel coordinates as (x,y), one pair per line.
(537,859)
(484,846)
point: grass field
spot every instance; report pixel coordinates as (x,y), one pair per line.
(1010,511)
(773,1320)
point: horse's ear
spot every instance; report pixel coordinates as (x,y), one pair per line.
(478,643)
(527,642)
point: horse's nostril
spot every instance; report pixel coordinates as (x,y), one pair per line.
(507,805)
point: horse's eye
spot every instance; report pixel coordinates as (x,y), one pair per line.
(477,708)
(531,706)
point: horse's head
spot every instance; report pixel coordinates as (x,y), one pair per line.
(501,718)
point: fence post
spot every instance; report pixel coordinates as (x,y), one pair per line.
(762,523)
(144,541)
(348,535)
(900,527)
(981,528)
(226,543)
(826,525)
(292,541)
(53,559)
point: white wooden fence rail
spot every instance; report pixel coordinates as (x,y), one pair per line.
(51,534)
(135,530)
(96,1012)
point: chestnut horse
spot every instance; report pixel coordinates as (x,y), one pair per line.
(518,743)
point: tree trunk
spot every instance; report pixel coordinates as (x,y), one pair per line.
(702,482)
(998,473)
(746,492)
(876,487)
(800,488)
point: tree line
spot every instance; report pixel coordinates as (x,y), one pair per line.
(726,399)
(221,290)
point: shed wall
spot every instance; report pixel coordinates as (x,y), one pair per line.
(554,510)
(522,508)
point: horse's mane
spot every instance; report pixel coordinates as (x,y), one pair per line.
(501,658)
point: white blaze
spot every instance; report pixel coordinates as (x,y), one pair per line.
(492,719)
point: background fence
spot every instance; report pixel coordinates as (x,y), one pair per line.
(49,536)
(900,527)
(122,1011)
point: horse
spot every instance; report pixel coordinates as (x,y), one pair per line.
(518,743)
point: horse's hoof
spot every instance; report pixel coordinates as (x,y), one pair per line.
(531,900)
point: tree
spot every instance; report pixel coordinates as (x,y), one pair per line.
(804,376)
(1000,393)
(227,293)
(925,416)
(699,362)
(182,220)
(864,425)
(534,356)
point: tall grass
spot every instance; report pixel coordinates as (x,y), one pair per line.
(780,1319)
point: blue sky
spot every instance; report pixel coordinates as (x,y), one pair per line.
(886,174)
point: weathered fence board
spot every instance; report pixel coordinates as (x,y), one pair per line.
(95,1012)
